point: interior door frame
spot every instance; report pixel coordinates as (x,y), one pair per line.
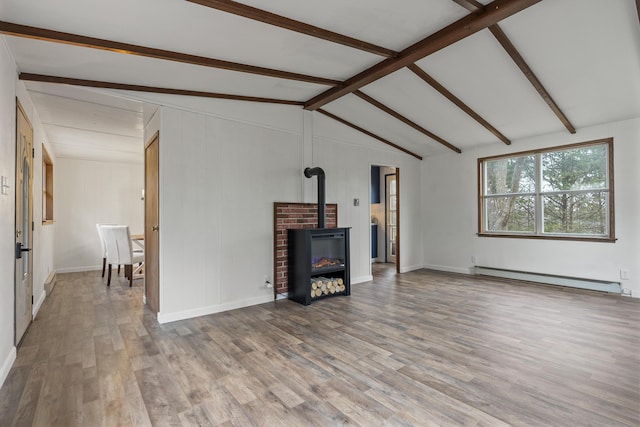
(386,219)
(152,253)
(397,220)
(18,232)
(398,230)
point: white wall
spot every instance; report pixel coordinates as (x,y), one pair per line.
(219,178)
(451,207)
(90,192)
(346,157)
(218,181)
(43,237)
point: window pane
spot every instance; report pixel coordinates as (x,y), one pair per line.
(581,168)
(576,213)
(511,213)
(512,175)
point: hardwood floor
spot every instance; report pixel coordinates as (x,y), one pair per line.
(420,348)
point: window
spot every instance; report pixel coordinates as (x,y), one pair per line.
(558,193)
(47,188)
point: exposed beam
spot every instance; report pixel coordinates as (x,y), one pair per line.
(151,89)
(526,70)
(131,49)
(470,24)
(471,5)
(457,101)
(256,14)
(502,38)
(366,132)
(405,120)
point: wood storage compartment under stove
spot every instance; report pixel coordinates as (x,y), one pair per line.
(318,264)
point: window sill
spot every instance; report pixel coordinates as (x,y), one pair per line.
(537,237)
(47,222)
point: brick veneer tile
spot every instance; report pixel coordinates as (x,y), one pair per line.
(294,215)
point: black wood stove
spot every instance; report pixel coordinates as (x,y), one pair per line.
(318,264)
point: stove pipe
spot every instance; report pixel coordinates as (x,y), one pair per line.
(309,172)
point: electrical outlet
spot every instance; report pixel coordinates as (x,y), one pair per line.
(624,274)
(267,282)
(474,259)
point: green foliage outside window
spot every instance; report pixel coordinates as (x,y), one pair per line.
(559,192)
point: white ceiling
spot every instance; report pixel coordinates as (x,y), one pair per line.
(585,52)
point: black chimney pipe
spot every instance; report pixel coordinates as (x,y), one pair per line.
(309,172)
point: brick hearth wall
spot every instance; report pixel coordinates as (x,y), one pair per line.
(294,215)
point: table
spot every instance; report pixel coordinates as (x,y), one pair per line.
(138,239)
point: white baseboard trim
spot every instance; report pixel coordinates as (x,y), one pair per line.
(449,269)
(410,268)
(50,282)
(361,279)
(7,364)
(79,269)
(212,309)
(38,303)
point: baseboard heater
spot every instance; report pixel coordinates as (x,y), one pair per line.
(573,282)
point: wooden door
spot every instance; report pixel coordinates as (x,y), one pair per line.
(151,224)
(24,225)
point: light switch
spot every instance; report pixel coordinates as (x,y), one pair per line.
(4,185)
(356,202)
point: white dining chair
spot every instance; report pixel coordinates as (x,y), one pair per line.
(104,246)
(120,251)
(139,249)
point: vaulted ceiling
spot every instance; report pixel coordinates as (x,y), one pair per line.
(424,76)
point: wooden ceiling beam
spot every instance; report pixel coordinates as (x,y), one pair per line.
(462,28)
(256,14)
(506,44)
(528,72)
(150,89)
(366,132)
(458,102)
(471,5)
(131,49)
(405,120)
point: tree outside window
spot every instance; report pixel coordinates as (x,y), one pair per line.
(564,192)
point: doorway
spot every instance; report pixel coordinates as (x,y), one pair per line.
(151,224)
(391,217)
(385,220)
(23,280)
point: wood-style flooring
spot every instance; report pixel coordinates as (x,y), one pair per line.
(416,349)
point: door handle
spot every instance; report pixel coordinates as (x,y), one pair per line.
(154,228)
(20,249)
